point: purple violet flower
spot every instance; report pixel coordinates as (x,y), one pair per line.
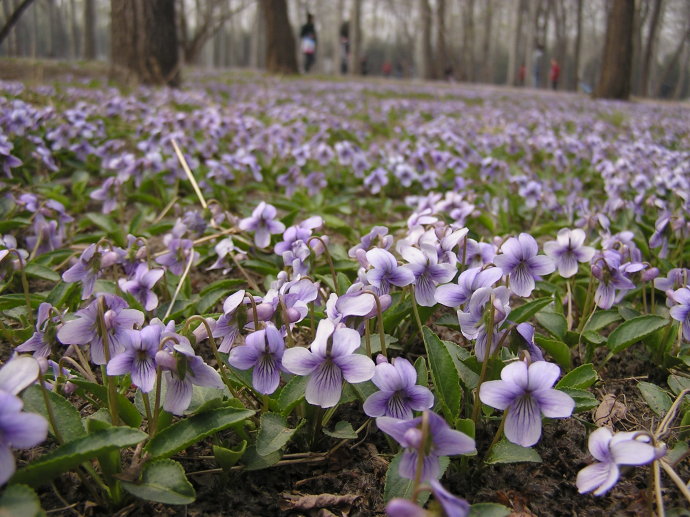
(140,287)
(37,342)
(610,451)
(428,272)
(263,223)
(526,393)
(329,360)
(18,429)
(178,255)
(681,311)
(84,329)
(606,267)
(86,270)
(138,359)
(183,369)
(455,295)
(226,328)
(399,393)
(519,260)
(441,440)
(568,250)
(473,321)
(386,271)
(263,351)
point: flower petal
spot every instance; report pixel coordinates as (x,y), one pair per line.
(300,361)
(599,476)
(497,394)
(554,403)
(325,385)
(542,375)
(18,373)
(178,394)
(355,367)
(523,423)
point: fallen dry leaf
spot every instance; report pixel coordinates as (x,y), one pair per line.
(609,411)
(310,502)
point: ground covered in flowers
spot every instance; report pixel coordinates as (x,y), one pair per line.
(246,247)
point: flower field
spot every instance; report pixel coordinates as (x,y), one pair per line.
(262,296)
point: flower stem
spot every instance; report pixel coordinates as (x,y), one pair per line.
(421,452)
(180,283)
(149,415)
(485,363)
(657,489)
(499,433)
(675,478)
(51,413)
(329,259)
(367,337)
(415,311)
(112,393)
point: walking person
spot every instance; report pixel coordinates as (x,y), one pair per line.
(308,41)
(555,74)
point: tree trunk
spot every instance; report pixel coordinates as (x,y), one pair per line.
(469,63)
(13,18)
(650,48)
(683,77)
(673,62)
(355,65)
(513,50)
(90,50)
(426,58)
(144,41)
(487,62)
(442,64)
(530,41)
(616,67)
(578,46)
(280,40)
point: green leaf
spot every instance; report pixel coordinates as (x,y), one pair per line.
(448,320)
(254,461)
(342,430)
(274,434)
(508,452)
(74,453)
(186,432)
(67,418)
(553,322)
(163,481)
(581,377)
(422,371)
(602,319)
(557,349)
(125,409)
(529,309)
(41,271)
(444,374)
(228,458)
(656,398)
(584,400)
(634,330)
(677,383)
(292,393)
(397,486)
(10,301)
(108,225)
(489,510)
(20,501)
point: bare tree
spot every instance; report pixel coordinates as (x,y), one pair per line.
(90,50)
(513,50)
(442,61)
(13,18)
(210,17)
(280,40)
(616,68)
(650,47)
(144,41)
(469,62)
(578,46)
(355,65)
(426,57)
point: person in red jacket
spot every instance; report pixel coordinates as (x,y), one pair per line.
(555,74)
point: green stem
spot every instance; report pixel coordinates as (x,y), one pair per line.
(421,452)
(112,394)
(51,413)
(499,433)
(415,311)
(149,415)
(485,363)
(367,338)
(329,259)
(25,285)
